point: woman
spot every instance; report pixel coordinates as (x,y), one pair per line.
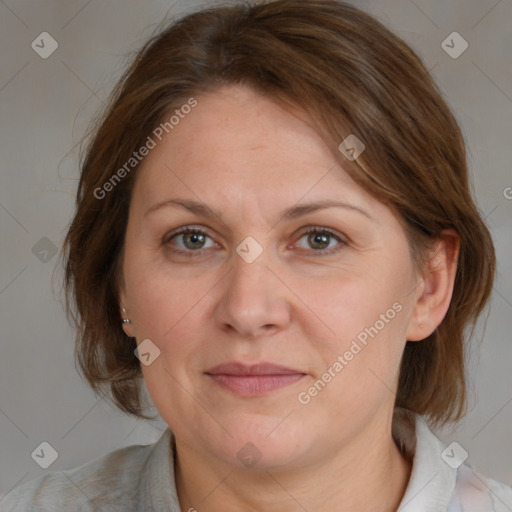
(274,230)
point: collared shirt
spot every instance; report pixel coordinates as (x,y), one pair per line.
(141,479)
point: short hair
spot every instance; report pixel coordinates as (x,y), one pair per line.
(352,75)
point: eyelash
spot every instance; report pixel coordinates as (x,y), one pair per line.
(198,231)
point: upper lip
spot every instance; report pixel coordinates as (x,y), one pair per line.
(236,368)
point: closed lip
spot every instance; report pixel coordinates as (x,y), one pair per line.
(241,369)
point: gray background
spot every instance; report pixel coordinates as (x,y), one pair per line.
(45,108)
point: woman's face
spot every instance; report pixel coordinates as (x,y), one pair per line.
(334,307)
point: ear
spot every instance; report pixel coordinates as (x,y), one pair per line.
(434,294)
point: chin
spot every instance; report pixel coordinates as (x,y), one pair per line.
(265,444)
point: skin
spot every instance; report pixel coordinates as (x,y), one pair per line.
(248,159)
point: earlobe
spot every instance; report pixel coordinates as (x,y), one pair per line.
(435,293)
(126,322)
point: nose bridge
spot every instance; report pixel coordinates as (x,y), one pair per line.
(252,297)
(250,276)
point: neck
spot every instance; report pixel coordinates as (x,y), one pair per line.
(368,474)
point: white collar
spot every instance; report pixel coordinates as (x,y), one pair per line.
(432,481)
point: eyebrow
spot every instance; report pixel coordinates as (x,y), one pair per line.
(290,213)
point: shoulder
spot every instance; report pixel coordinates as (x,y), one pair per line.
(109,479)
(475,492)
(438,480)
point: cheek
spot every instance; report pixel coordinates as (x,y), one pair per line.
(363,314)
(163,298)
(351,301)
(175,323)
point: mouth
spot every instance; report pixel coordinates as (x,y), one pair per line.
(253,380)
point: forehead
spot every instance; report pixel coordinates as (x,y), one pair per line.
(237,142)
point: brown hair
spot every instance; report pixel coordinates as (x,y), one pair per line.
(352,75)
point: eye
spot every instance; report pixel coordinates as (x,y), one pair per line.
(321,239)
(189,239)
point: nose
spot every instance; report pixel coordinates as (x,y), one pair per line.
(254,301)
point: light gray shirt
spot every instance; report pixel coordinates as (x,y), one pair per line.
(141,479)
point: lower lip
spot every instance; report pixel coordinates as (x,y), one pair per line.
(253,385)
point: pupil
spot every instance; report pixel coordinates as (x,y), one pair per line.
(320,239)
(194,238)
